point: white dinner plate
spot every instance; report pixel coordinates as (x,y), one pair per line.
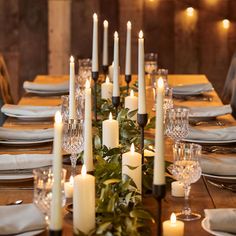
(220,176)
(16,177)
(191,93)
(31,233)
(210,141)
(38,117)
(206,227)
(47,92)
(25,142)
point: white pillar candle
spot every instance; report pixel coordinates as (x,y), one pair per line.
(159,161)
(56,203)
(141,78)
(88,137)
(133,159)
(116,86)
(84,202)
(173,227)
(105,43)
(131,102)
(68,187)
(128,50)
(72,107)
(106,89)
(177,189)
(110,132)
(95,44)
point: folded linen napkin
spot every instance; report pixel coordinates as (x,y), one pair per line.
(222,219)
(25,134)
(218,164)
(192,89)
(221,134)
(64,86)
(24,161)
(212,111)
(22,110)
(20,219)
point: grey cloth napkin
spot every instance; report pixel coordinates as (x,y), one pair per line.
(221,134)
(218,164)
(25,134)
(222,219)
(57,87)
(20,219)
(24,161)
(211,111)
(192,89)
(22,110)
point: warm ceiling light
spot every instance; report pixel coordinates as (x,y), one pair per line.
(190,11)
(226,23)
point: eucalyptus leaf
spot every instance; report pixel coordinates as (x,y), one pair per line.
(97,142)
(103,227)
(111,181)
(140,213)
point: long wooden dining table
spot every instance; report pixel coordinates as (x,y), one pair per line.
(203,195)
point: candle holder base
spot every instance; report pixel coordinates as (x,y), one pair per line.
(55,232)
(116,103)
(142,121)
(128,79)
(159,192)
(105,69)
(95,76)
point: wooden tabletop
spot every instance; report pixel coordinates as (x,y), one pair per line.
(202,195)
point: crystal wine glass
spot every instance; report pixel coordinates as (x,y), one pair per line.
(150,63)
(43,181)
(187,170)
(73,140)
(177,123)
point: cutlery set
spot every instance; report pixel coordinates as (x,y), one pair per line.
(227,186)
(219,149)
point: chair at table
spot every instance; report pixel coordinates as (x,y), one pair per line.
(5,93)
(231,76)
(233,99)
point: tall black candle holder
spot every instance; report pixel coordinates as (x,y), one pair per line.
(128,79)
(159,192)
(116,103)
(95,76)
(55,232)
(142,121)
(105,69)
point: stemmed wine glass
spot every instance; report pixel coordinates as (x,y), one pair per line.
(177,123)
(186,169)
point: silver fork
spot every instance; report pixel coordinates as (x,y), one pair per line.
(230,187)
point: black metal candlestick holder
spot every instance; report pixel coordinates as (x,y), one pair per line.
(95,76)
(116,103)
(159,192)
(55,232)
(128,79)
(105,69)
(142,121)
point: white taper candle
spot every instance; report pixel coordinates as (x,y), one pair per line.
(105,43)
(95,44)
(72,106)
(128,50)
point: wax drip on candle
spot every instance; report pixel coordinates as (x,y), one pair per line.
(87,84)
(58,118)
(160,83)
(105,23)
(83,171)
(173,218)
(140,35)
(131,93)
(95,17)
(132,149)
(72,59)
(129,24)
(110,116)
(107,80)
(115,36)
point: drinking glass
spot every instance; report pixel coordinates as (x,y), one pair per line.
(177,123)
(73,140)
(43,181)
(79,102)
(187,170)
(150,63)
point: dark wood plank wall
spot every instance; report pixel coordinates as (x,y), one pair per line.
(184,44)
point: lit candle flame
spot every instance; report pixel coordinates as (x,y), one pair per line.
(71,180)
(87,84)
(226,23)
(140,35)
(72,59)
(132,149)
(190,11)
(129,25)
(160,83)
(105,23)
(58,118)
(116,35)
(110,116)
(83,171)
(95,17)
(107,80)
(173,218)
(131,93)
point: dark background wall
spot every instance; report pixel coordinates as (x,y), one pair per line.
(184,44)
